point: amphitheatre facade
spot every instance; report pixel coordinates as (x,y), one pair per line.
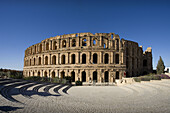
(99,57)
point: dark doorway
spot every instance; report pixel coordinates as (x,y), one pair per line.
(117,74)
(94,58)
(84,59)
(73,58)
(83,76)
(72,76)
(95,76)
(62,74)
(106,76)
(106,58)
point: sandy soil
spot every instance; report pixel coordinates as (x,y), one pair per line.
(28,97)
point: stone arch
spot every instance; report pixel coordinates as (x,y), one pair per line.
(94,42)
(95,76)
(64,43)
(73,42)
(117,58)
(30,62)
(104,45)
(84,58)
(35,49)
(73,76)
(33,74)
(106,76)
(63,59)
(73,59)
(40,48)
(39,61)
(95,58)
(46,60)
(83,76)
(54,45)
(117,74)
(45,74)
(34,61)
(54,60)
(106,58)
(117,44)
(84,42)
(47,46)
(53,74)
(38,74)
(62,74)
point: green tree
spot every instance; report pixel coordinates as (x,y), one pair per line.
(160,66)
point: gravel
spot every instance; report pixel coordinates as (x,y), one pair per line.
(130,98)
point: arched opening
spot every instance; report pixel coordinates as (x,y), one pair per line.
(95,76)
(106,76)
(84,59)
(47,46)
(39,61)
(117,58)
(34,61)
(53,74)
(54,45)
(33,73)
(106,58)
(104,45)
(29,74)
(94,42)
(30,62)
(117,74)
(38,73)
(31,50)
(62,74)
(54,60)
(94,58)
(46,60)
(73,76)
(144,63)
(35,49)
(83,76)
(40,49)
(63,59)
(84,42)
(111,36)
(73,59)
(73,43)
(117,46)
(64,43)
(45,74)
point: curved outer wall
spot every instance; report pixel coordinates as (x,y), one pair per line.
(86,57)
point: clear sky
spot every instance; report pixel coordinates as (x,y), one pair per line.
(27,22)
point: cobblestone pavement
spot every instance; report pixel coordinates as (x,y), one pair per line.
(30,97)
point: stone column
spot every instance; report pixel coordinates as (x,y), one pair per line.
(49,59)
(101,41)
(101,57)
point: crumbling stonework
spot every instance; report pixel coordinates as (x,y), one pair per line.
(99,57)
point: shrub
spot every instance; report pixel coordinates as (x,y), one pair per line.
(145,78)
(163,76)
(155,77)
(33,78)
(137,79)
(78,83)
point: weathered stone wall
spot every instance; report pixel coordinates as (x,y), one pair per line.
(85,56)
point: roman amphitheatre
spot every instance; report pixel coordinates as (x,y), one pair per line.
(94,59)
(87,57)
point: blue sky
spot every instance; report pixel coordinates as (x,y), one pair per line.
(27,22)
